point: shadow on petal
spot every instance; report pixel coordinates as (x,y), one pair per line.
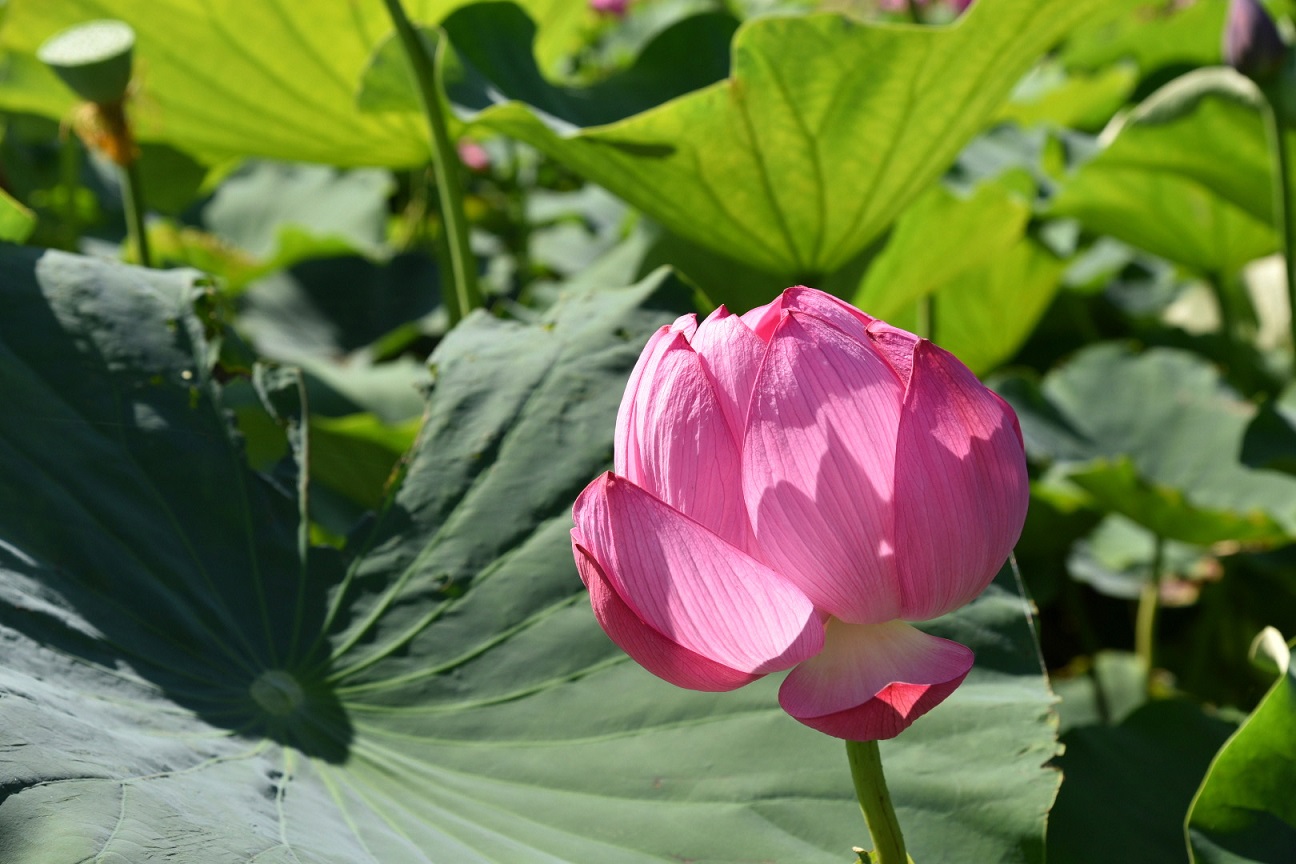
(645,645)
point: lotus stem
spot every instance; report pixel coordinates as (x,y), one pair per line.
(133,200)
(463,295)
(875,803)
(112,136)
(1275,120)
(1149,605)
(927,317)
(915,13)
(1220,285)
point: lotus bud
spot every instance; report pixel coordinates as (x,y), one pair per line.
(792,489)
(614,8)
(1252,44)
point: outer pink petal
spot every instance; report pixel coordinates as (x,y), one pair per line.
(646,646)
(625,444)
(691,586)
(961,486)
(818,464)
(872,681)
(731,354)
(684,450)
(896,345)
(845,317)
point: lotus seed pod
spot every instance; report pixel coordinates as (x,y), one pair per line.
(93,59)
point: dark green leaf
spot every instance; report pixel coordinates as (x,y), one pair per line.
(1164,448)
(1116,560)
(1126,788)
(1245,812)
(1113,685)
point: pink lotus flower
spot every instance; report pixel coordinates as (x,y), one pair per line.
(792,487)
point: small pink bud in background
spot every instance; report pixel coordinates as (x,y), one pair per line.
(1252,44)
(957,6)
(473,155)
(616,8)
(791,488)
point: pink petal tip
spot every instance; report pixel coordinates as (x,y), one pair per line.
(872,681)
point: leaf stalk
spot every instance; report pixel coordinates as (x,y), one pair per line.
(464,295)
(1275,121)
(1149,605)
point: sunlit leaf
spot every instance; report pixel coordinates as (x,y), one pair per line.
(275,78)
(1185,176)
(941,237)
(1077,100)
(1160,38)
(984,315)
(826,130)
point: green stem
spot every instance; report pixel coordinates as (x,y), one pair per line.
(1149,604)
(69,174)
(133,198)
(464,296)
(1276,120)
(914,12)
(875,802)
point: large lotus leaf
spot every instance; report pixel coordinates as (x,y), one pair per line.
(276,78)
(827,128)
(183,679)
(1163,448)
(1245,812)
(1187,176)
